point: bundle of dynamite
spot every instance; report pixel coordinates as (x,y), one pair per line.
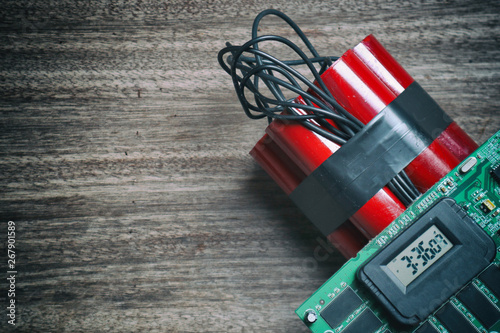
(355,145)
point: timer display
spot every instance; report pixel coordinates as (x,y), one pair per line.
(438,254)
(420,255)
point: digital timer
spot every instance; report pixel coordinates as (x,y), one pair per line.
(420,255)
(422,267)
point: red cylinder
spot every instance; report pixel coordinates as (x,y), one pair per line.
(347,239)
(457,141)
(277,164)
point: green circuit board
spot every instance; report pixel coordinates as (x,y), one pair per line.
(345,304)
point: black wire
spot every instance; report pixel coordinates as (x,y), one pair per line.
(413,189)
(249,66)
(403,196)
(350,124)
(322,60)
(305,40)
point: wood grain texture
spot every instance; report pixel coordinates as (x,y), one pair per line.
(124,155)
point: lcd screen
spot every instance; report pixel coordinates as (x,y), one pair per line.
(421,254)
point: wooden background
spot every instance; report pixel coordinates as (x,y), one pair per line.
(124,156)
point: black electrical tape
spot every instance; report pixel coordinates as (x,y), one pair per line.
(368,161)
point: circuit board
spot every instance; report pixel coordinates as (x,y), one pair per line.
(434,269)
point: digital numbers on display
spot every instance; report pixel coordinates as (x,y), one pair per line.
(421,254)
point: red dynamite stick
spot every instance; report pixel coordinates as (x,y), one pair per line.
(389,71)
(277,164)
(347,239)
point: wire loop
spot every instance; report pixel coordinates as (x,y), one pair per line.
(250,67)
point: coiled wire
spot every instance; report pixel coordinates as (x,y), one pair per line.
(250,68)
